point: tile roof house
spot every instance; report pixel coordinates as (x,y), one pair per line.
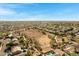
(16,50)
(16,42)
(0,45)
(77,48)
(58,39)
(36,53)
(14,39)
(76,45)
(59,52)
(69,49)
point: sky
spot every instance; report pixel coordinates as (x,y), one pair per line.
(39,11)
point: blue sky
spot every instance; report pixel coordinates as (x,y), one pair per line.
(39,11)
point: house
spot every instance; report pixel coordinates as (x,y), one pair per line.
(36,53)
(59,52)
(16,50)
(58,39)
(76,45)
(77,48)
(16,42)
(10,35)
(14,39)
(69,49)
(0,46)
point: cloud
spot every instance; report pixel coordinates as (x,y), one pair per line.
(5,12)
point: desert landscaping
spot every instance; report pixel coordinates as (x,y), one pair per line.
(39,38)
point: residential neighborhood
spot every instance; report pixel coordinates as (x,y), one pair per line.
(42,39)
